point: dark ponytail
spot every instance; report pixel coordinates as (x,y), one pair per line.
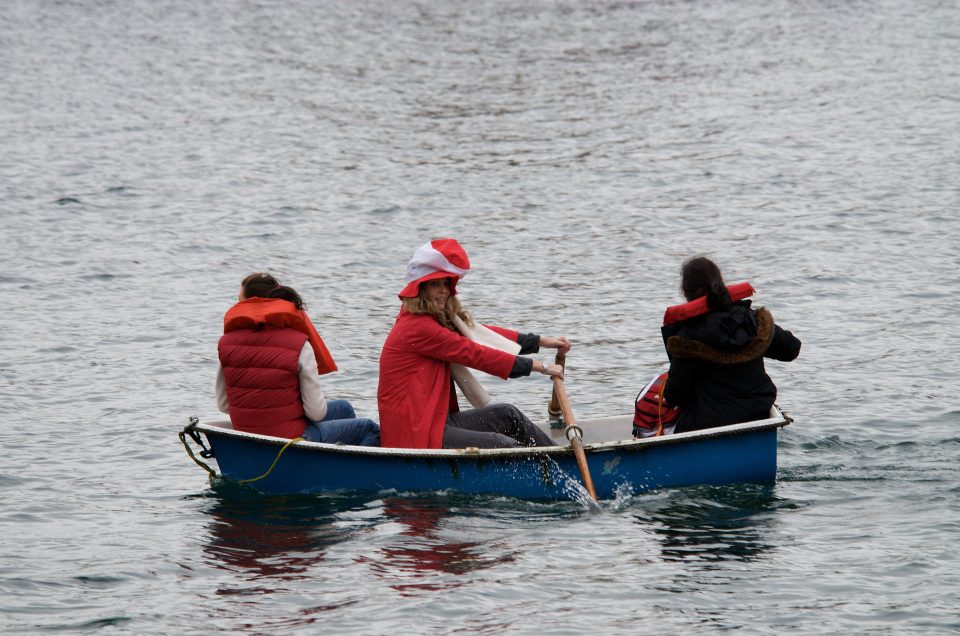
(263,285)
(700,276)
(718,297)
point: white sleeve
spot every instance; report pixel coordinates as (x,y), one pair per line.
(314,403)
(222,402)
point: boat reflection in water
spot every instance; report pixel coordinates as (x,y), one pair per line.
(280,537)
(714,523)
(413,542)
(417,558)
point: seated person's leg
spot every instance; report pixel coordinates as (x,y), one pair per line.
(339,410)
(454,437)
(358,431)
(519,425)
(503,419)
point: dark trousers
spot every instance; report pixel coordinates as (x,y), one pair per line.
(493,426)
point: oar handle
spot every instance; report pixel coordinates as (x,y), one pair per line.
(553,407)
(560,393)
(573,434)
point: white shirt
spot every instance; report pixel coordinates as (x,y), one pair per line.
(314,403)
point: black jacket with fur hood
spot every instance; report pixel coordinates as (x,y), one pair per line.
(716,372)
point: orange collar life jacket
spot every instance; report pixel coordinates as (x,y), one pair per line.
(698,306)
(255,313)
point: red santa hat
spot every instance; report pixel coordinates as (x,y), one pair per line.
(440,258)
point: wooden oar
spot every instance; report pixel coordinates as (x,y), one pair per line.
(554,412)
(573,434)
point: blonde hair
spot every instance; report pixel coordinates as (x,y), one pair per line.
(420,304)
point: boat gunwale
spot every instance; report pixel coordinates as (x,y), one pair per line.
(626,445)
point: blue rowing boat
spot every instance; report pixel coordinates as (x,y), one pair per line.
(618,463)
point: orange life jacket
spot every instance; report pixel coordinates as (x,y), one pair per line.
(276,312)
(698,306)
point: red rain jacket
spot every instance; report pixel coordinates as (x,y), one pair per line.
(415,393)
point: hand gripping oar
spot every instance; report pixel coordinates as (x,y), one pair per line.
(554,412)
(573,434)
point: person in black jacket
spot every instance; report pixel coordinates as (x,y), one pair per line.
(716,371)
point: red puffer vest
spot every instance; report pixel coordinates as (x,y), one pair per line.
(263,383)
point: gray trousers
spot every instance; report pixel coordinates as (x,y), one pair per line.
(493,426)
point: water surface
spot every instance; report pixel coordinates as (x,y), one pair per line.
(154,153)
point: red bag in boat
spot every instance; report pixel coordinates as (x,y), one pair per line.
(651,413)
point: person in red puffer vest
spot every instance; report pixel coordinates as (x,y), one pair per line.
(271,359)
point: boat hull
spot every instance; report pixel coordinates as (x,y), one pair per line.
(729,454)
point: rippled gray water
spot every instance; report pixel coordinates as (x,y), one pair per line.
(153,153)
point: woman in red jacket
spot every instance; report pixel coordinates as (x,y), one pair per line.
(271,359)
(416,398)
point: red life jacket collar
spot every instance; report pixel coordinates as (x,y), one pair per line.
(254,313)
(698,306)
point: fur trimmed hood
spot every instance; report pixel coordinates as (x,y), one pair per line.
(690,344)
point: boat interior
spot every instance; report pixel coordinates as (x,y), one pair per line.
(602,429)
(596,430)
